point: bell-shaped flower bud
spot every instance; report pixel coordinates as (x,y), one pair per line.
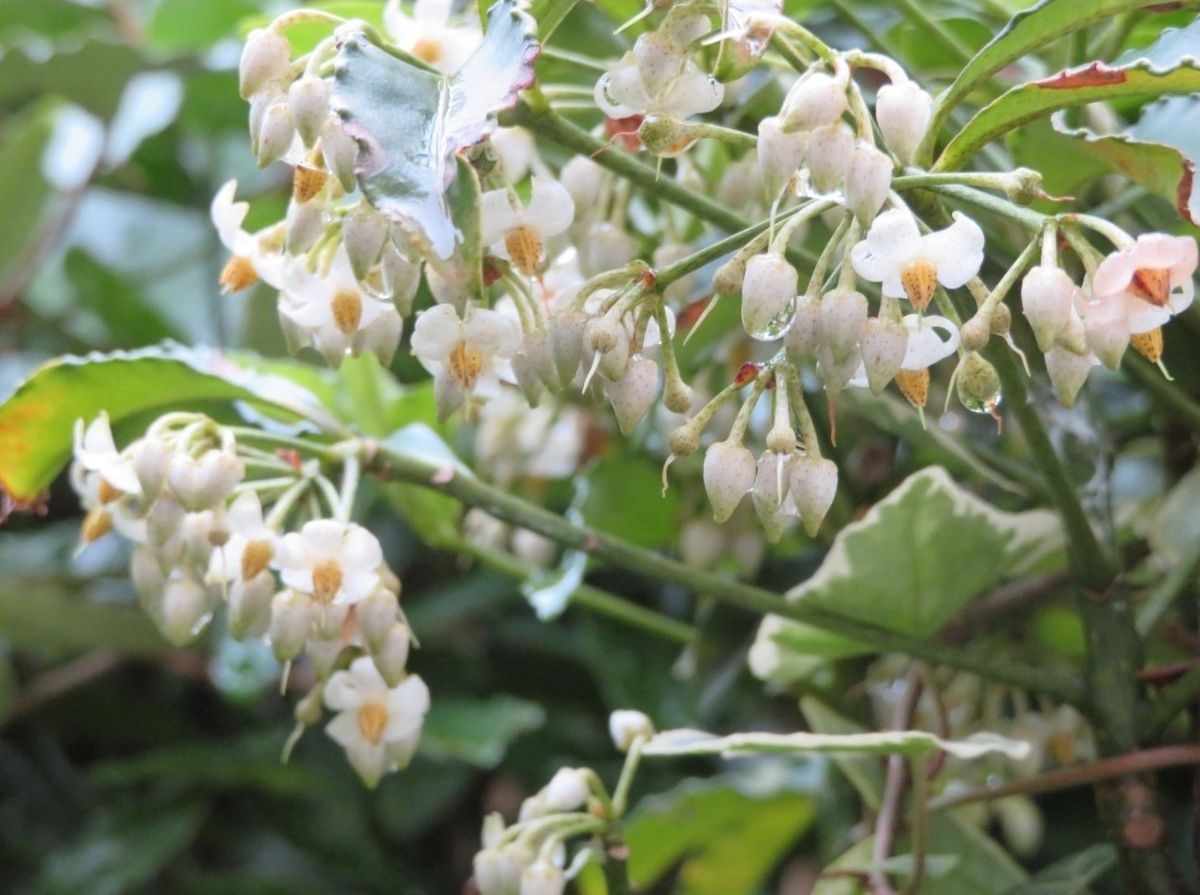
(817,100)
(1106,323)
(264,57)
(658,58)
(363,233)
(627,725)
(567,790)
(615,361)
(813,487)
(305,224)
(883,345)
(566,343)
(803,338)
(323,653)
(202,483)
(582,178)
(514,858)
(829,153)
(186,609)
(868,182)
(779,154)
(605,247)
(903,112)
(837,372)
(308,100)
(392,656)
(768,291)
(843,318)
(729,471)
(250,605)
(542,878)
(291,617)
(632,396)
(1068,372)
(489,872)
(275,134)
(1048,297)
(401,278)
(770,492)
(148,580)
(375,616)
(340,152)
(150,457)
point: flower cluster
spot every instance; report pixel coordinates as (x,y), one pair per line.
(217,523)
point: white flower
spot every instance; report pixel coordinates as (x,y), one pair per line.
(689,91)
(377,725)
(461,353)
(1152,277)
(911,265)
(428,34)
(517,152)
(336,563)
(903,112)
(930,339)
(333,314)
(514,439)
(627,725)
(250,547)
(520,233)
(254,256)
(96,453)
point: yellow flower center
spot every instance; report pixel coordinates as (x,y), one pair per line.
(96,525)
(919,279)
(428,50)
(1149,345)
(327,580)
(237,274)
(524,246)
(1152,285)
(372,719)
(106,492)
(347,310)
(466,363)
(914,385)
(256,556)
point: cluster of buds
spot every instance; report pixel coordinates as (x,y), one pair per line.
(209,520)
(530,856)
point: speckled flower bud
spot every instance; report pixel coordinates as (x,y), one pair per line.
(729,471)
(632,396)
(813,487)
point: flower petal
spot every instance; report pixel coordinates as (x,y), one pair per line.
(497,215)
(957,251)
(550,207)
(925,347)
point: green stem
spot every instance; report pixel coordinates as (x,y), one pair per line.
(665,276)
(633,758)
(587,597)
(544,122)
(608,547)
(919,833)
(1026,217)
(616,870)
(1182,694)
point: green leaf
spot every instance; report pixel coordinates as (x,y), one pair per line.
(433,517)
(52,618)
(1070,876)
(1030,29)
(305,35)
(92,74)
(549,15)
(911,563)
(37,420)
(188,25)
(1090,83)
(478,732)
(624,496)
(910,743)
(724,835)
(129,318)
(410,125)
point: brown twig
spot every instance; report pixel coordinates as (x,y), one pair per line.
(60,680)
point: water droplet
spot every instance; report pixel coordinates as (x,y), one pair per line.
(777,325)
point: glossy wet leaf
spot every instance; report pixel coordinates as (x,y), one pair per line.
(914,560)
(37,420)
(478,732)
(411,124)
(1095,82)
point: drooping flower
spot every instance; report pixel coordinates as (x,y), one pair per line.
(334,315)
(254,257)
(930,339)
(520,233)
(96,452)
(377,725)
(903,111)
(1152,277)
(657,78)
(909,264)
(250,546)
(429,35)
(462,353)
(335,563)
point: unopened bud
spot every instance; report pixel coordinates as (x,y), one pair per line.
(813,487)
(829,153)
(582,178)
(729,471)
(977,382)
(401,278)
(323,653)
(677,394)
(818,99)
(340,153)
(632,396)
(250,605)
(566,343)
(363,232)
(1068,372)
(489,873)
(264,57)
(308,100)
(203,483)
(392,656)
(843,318)
(1048,295)
(542,878)
(883,345)
(186,609)
(627,725)
(275,134)
(305,225)
(567,790)
(803,338)
(768,291)
(727,279)
(310,708)
(150,457)
(291,617)
(780,154)
(1107,326)
(868,182)
(603,334)
(903,112)
(148,580)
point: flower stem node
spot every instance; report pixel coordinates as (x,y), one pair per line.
(813,487)
(625,726)
(729,470)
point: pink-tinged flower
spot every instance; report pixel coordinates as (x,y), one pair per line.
(1152,276)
